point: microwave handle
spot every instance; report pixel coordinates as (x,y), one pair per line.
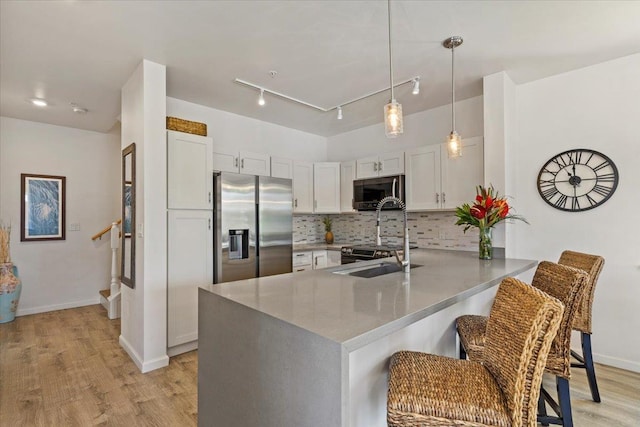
(393,187)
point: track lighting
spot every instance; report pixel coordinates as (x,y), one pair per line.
(261,98)
(416,86)
(339,113)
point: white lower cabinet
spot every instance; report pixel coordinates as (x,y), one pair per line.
(319,259)
(334,258)
(316,259)
(189,260)
(302,261)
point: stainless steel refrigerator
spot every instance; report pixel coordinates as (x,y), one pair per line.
(253,226)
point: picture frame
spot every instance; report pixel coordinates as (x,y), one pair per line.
(42,209)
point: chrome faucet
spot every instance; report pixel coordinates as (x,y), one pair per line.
(404,262)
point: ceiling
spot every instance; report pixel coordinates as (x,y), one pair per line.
(325,53)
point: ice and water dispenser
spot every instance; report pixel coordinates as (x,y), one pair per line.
(239,243)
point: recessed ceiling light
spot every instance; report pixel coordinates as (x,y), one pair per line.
(39,102)
(78,109)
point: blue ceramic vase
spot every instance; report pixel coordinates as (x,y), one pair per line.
(10,289)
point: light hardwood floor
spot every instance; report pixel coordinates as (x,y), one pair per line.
(66,368)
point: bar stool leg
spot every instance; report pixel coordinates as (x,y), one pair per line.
(463,353)
(542,408)
(588,363)
(564,400)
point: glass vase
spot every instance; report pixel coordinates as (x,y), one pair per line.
(485,246)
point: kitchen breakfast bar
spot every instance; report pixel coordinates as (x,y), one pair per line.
(312,348)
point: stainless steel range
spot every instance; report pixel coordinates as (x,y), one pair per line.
(350,254)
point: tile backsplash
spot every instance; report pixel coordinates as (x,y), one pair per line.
(435,230)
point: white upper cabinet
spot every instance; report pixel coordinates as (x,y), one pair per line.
(326,187)
(302,187)
(433,181)
(383,165)
(347,175)
(189,171)
(281,167)
(422,180)
(460,176)
(244,162)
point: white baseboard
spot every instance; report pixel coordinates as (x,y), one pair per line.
(131,352)
(54,307)
(158,362)
(616,362)
(143,366)
(182,348)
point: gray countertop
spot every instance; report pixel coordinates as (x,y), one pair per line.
(356,311)
(298,247)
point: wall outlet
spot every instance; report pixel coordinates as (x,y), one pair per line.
(74,227)
(443,235)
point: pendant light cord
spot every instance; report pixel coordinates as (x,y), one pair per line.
(453,88)
(390,56)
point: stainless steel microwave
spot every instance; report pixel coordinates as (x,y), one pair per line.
(367,193)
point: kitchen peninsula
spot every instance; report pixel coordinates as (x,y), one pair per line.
(312,348)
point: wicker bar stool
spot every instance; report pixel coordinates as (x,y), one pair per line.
(430,390)
(568,285)
(592,264)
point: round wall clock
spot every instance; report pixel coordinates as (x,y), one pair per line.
(577,180)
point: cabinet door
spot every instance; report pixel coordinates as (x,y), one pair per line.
(189,265)
(189,171)
(422,183)
(347,175)
(391,164)
(367,167)
(461,175)
(225,161)
(319,259)
(281,167)
(334,258)
(255,163)
(326,187)
(302,187)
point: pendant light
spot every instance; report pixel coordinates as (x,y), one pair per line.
(454,141)
(393,110)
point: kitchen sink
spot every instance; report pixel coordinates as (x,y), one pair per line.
(375,270)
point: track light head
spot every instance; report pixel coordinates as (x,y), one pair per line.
(261,98)
(339,113)
(416,86)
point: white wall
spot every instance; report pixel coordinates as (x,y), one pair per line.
(144,308)
(233,132)
(424,128)
(596,108)
(62,273)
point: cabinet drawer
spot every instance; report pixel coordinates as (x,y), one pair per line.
(297,268)
(301,259)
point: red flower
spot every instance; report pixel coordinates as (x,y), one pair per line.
(478,211)
(502,207)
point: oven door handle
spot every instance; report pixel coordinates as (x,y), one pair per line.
(393,187)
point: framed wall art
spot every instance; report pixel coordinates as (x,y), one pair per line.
(42,210)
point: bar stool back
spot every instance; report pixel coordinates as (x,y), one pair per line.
(430,390)
(592,264)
